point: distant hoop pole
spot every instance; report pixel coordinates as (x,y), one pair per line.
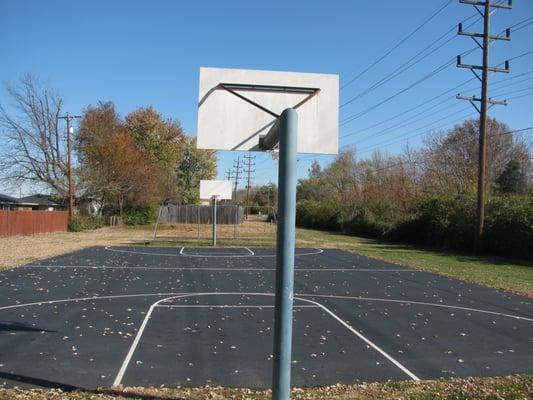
(286,129)
(214,221)
(157,221)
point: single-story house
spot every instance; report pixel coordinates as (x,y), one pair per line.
(12,203)
(43,202)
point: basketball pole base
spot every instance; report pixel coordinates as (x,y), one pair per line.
(287,130)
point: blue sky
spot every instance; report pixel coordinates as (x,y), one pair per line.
(139,53)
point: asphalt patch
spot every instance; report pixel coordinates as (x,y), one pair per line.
(83,320)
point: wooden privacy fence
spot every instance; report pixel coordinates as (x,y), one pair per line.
(30,222)
(197,214)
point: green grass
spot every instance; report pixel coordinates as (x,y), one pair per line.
(497,272)
(501,273)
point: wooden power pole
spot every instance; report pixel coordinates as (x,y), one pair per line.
(69,118)
(249,170)
(484,100)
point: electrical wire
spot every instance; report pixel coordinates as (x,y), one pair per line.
(402,41)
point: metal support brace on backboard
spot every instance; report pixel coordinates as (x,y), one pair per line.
(284,131)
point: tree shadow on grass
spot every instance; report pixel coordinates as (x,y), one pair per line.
(460,256)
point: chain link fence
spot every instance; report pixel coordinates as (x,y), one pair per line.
(234,223)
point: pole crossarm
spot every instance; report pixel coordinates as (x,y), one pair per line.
(506,37)
(505,70)
(509,4)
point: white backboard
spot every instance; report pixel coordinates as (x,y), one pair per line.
(227,122)
(211,188)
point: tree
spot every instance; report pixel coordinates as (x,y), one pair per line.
(451,158)
(33,149)
(265,195)
(512,179)
(161,142)
(112,168)
(194,165)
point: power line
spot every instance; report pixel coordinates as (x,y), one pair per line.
(408,65)
(431,74)
(529,128)
(469,141)
(425,102)
(403,138)
(402,41)
(412,119)
(405,66)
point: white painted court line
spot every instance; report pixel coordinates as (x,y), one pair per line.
(125,296)
(365,339)
(420,303)
(297,269)
(133,346)
(125,363)
(182,253)
(225,306)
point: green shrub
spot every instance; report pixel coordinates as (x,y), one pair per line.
(318,215)
(367,224)
(441,221)
(437,221)
(80,223)
(509,226)
(139,216)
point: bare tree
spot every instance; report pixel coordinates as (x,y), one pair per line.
(451,158)
(32,147)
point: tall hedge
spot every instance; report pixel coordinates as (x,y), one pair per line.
(441,221)
(509,226)
(318,215)
(438,221)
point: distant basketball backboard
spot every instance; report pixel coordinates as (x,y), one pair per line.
(213,188)
(238,106)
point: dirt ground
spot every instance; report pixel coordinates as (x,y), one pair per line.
(19,250)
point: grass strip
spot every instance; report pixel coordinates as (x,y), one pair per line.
(516,387)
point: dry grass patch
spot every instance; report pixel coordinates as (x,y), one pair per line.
(18,250)
(518,387)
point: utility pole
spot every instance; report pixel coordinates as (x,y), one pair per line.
(485,100)
(70,130)
(249,165)
(237,171)
(227,174)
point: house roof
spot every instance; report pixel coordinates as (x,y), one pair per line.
(5,199)
(41,199)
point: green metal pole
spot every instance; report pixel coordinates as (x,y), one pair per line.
(285,243)
(214,221)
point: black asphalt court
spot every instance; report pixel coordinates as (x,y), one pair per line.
(146,316)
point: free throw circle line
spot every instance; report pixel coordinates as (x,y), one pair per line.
(133,347)
(182,253)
